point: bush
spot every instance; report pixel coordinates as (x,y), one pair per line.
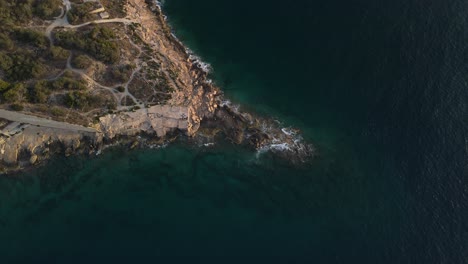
(5,42)
(82,99)
(82,62)
(55,111)
(5,61)
(122,73)
(67,83)
(15,94)
(4,85)
(58,53)
(24,66)
(33,37)
(80,13)
(39,92)
(70,40)
(15,12)
(21,66)
(47,9)
(98,42)
(17,107)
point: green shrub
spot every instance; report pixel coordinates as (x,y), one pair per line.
(47,9)
(15,94)
(80,13)
(39,92)
(21,66)
(33,37)
(4,85)
(121,73)
(5,42)
(83,99)
(17,107)
(98,42)
(58,53)
(57,111)
(66,83)
(5,61)
(82,62)
(70,40)
(15,12)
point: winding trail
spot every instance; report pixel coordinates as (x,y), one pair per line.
(62,21)
(101,21)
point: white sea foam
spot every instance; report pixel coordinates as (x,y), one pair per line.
(176,38)
(206,67)
(197,60)
(281,147)
(231,106)
(158,3)
(289,131)
(289,141)
(261,151)
(159,146)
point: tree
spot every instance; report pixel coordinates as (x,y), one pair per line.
(4,85)
(76,99)
(21,66)
(58,53)
(82,62)
(33,37)
(80,13)
(39,92)
(98,42)
(15,94)
(47,9)
(5,61)
(5,42)
(17,107)
(67,83)
(23,11)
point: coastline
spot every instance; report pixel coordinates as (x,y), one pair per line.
(263,134)
(208,112)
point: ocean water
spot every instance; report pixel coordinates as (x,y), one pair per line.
(379,87)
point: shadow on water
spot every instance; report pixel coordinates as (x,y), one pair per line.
(182,200)
(380,88)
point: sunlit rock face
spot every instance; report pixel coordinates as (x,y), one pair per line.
(156,119)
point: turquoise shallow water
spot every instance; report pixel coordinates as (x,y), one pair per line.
(379,88)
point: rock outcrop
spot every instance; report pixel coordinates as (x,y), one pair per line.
(196,103)
(33,144)
(156,120)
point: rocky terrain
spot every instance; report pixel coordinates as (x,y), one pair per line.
(154,87)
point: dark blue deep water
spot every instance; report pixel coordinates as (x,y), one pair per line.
(379,87)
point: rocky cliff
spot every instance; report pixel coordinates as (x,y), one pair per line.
(196,106)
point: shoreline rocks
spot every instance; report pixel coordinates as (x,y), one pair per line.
(196,105)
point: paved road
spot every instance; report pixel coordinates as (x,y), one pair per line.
(38,121)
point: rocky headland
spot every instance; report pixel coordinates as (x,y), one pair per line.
(192,105)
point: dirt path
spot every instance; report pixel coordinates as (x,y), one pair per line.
(62,21)
(42,122)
